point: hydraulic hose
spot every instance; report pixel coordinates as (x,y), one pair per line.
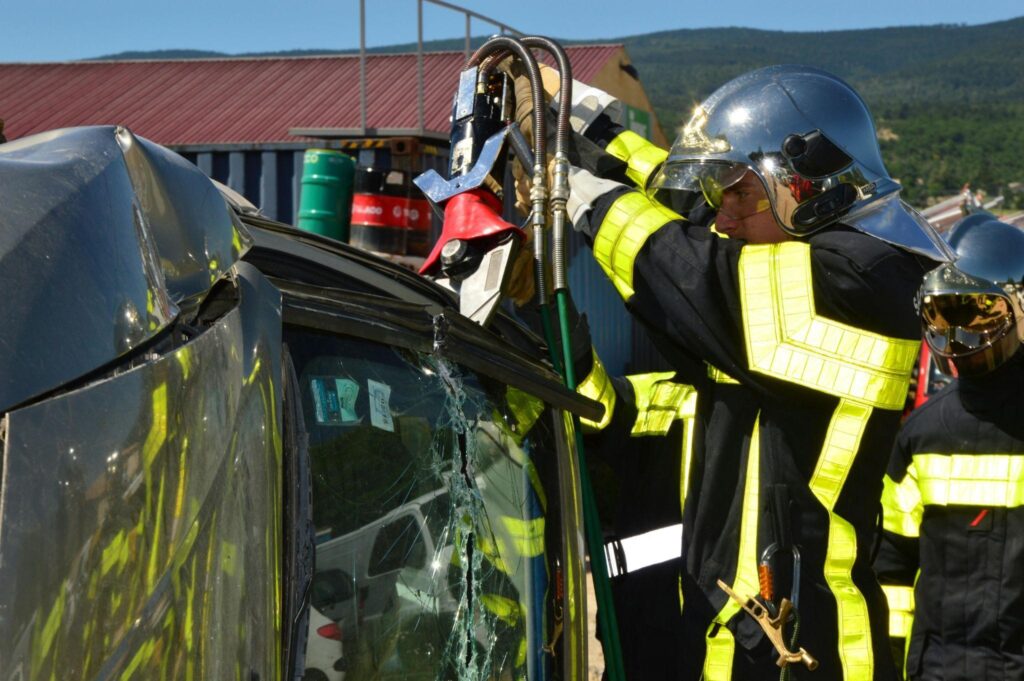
(559,196)
(486,57)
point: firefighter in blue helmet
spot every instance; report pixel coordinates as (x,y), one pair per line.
(819,331)
(955,486)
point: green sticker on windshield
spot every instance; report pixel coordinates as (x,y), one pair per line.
(334,400)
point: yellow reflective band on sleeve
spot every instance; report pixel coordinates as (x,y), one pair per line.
(901,609)
(641,157)
(901,504)
(630,221)
(841,444)
(658,402)
(970,479)
(526,535)
(719,640)
(598,387)
(719,376)
(786,339)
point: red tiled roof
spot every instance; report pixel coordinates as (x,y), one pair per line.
(249,100)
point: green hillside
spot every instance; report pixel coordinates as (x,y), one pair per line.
(948,100)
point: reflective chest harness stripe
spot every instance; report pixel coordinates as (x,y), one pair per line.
(970,479)
(642,158)
(786,339)
(951,480)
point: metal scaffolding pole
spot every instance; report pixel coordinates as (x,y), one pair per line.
(362,65)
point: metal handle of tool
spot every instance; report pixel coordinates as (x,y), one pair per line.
(773,627)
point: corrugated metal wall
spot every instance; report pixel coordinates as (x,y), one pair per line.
(271,179)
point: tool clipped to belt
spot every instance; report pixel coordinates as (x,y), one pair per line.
(773,615)
(773,627)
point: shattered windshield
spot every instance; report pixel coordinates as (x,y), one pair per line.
(436,509)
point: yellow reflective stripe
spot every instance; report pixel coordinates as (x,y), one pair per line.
(598,387)
(720,643)
(841,444)
(688,413)
(719,376)
(527,535)
(901,504)
(641,157)
(786,339)
(658,401)
(901,609)
(970,479)
(630,221)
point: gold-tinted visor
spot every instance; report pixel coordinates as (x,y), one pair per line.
(957,324)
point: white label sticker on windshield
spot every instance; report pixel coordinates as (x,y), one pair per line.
(380,405)
(334,400)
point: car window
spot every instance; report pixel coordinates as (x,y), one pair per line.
(435,492)
(398,544)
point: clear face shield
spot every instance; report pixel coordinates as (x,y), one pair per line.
(802,202)
(971,325)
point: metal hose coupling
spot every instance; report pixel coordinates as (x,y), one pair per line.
(559,197)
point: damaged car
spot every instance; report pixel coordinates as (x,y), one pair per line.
(224,440)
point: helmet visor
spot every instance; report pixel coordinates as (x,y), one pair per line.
(800,204)
(971,334)
(959,324)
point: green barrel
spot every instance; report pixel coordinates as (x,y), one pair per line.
(326,204)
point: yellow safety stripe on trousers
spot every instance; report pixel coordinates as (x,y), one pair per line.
(970,479)
(641,157)
(719,640)
(719,376)
(901,504)
(598,387)
(901,609)
(786,339)
(841,444)
(659,402)
(630,221)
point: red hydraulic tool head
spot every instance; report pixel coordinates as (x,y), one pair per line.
(469,217)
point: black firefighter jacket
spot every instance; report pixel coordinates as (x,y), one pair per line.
(954,522)
(821,335)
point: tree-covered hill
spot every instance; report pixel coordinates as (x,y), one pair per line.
(948,100)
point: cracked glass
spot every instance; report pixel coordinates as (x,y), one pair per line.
(436,507)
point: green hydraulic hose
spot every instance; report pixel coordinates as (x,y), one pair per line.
(591,520)
(549,338)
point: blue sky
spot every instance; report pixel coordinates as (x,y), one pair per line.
(53,30)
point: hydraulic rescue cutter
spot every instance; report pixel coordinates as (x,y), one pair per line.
(473,257)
